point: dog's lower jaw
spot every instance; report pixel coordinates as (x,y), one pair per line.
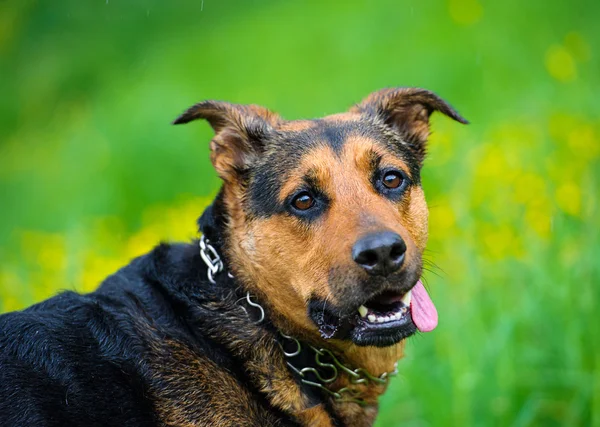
(373,339)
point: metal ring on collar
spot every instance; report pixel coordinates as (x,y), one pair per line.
(293,353)
(253,304)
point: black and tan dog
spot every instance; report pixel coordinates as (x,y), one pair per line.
(291,310)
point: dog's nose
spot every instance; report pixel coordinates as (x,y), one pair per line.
(380,254)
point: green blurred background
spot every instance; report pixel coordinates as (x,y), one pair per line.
(92,173)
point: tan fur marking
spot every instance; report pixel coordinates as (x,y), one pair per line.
(296,125)
(342,117)
(315,416)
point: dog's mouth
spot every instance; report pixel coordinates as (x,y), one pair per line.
(385,309)
(383,320)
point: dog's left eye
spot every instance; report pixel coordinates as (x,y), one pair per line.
(303,201)
(392,179)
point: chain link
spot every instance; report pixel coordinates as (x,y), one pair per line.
(357,376)
(211,258)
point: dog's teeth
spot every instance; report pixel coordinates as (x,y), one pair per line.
(362,310)
(372,318)
(406,299)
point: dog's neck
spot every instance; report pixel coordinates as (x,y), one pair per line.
(329,373)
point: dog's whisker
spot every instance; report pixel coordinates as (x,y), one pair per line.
(438,274)
(432,267)
(436,267)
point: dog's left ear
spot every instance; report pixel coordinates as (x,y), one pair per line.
(240,134)
(407,111)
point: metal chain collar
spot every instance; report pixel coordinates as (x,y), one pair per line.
(357,376)
(213,261)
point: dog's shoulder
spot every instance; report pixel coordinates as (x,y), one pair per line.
(132,352)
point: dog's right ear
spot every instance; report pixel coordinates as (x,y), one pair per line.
(240,134)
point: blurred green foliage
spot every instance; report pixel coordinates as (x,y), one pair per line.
(92,174)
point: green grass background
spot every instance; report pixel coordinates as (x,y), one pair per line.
(92,173)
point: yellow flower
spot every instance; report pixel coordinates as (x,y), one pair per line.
(560,64)
(10,284)
(441,218)
(538,215)
(583,142)
(529,187)
(568,198)
(499,241)
(95,269)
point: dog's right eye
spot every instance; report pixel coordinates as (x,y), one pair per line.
(303,201)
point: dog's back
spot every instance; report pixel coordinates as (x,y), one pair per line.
(73,360)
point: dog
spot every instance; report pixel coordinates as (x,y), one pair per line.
(293,307)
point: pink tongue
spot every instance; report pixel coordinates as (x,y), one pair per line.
(422,310)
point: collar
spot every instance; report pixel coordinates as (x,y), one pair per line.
(323,368)
(315,367)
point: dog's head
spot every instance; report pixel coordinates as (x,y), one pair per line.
(326,219)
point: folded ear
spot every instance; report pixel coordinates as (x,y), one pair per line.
(240,133)
(407,111)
